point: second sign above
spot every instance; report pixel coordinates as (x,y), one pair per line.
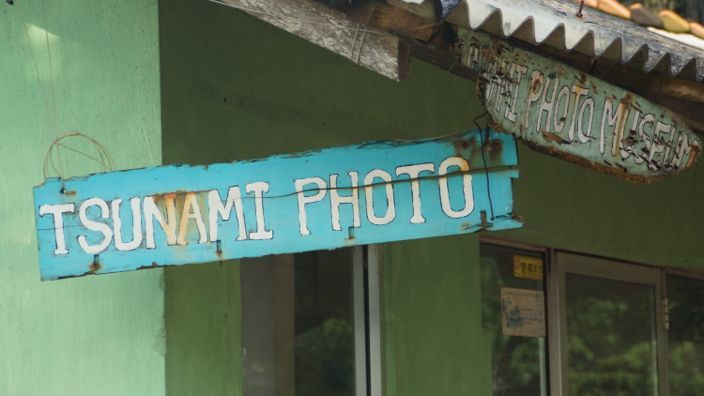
(562,111)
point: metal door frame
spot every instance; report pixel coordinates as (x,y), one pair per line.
(565,262)
(367,320)
(546,372)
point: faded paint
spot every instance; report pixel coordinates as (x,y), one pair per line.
(559,110)
(371,193)
(99,73)
(254,105)
(433,339)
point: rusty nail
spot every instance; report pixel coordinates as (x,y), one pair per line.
(95,265)
(68,192)
(581,8)
(483,216)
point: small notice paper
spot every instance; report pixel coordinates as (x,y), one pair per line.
(522,312)
(527,267)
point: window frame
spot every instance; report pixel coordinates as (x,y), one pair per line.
(596,267)
(546,358)
(366,296)
(555,300)
(367,320)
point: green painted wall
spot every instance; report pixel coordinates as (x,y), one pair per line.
(203,330)
(93,67)
(236,88)
(433,340)
(574,208)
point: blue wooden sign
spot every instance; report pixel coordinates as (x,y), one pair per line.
(371,193)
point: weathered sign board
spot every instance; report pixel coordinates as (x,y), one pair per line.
(562,111)
(371,193)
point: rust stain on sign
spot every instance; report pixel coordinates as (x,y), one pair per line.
(561,111)
(371,193)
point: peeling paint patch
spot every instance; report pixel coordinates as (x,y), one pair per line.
(561,111)
(325,199)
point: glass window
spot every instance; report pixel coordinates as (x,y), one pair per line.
(686,335)
(323,324)
(611,337)
(513,313)
(299,323)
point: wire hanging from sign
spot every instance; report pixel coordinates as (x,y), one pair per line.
(52,158)
(484,144)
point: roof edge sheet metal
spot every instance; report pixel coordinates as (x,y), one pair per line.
(595,34)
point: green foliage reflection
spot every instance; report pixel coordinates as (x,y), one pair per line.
(516,361)
(610,337)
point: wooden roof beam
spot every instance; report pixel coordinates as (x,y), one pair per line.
(331,29)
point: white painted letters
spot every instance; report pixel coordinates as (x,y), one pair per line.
(57,211)
(217,209)
(168,225)
(413,172)
(336,200)
(259,188)
(466,188)
(136,225)
(369,181)
(304,199)
(95,226)
(191,211)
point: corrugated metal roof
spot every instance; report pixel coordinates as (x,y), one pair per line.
(595,34)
